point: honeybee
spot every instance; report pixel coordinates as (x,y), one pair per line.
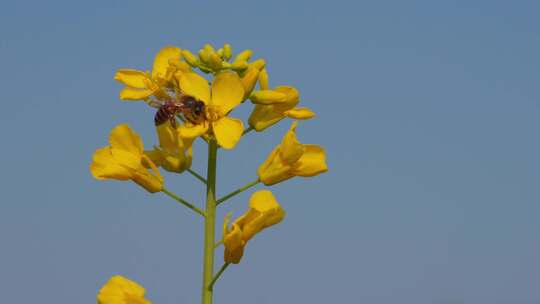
(191,108)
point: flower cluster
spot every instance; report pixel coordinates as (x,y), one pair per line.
(193,97)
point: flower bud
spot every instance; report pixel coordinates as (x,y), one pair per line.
(244,56)
(268,97)
(259,64)
(263,79)
(227,51)
(215,62)
(249,80)
(190,58)
(239,65)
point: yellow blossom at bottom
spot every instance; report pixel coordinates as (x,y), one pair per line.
(121,290)
(291,158)
(264,211)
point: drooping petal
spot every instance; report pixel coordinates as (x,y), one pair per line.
(227,91)
(104,166)
(191,131)
(132,78)
(300,113)
(123,138)
(228,131)
(263,117)
(290,149)
(312,162)
(193,84)
(234,245)
(161,61)
(129,93)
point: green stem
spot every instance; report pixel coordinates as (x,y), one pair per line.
(237,191)
(216,277)
(209,223)
(197,175)
(183,202)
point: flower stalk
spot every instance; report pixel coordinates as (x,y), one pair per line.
(218,274)
(238,191)
(183,202)
(209,223)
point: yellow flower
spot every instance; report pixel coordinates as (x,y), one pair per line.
(274,105)
(291,158)
(141,85)
(174,153)
(226,93)
(264,211)
(124,159)
(120,290)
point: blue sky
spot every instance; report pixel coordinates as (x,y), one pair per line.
(428,111)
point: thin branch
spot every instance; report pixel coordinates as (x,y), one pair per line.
(238,191)
(197,175)
(216,277)
(183,202)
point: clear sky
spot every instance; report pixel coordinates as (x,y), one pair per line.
(429,111)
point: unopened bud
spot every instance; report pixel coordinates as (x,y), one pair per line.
(263,80)
(268,97)
(239,65)
(249,80)
(227,51)
(245,55)
(259,64)
(190,58)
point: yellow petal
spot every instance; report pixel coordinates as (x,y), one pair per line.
(193,84)
(300,113)
(268,97)
(123,138)
(269,210)
(168,136)
(263,117)
(161,61)
(133,78)
(192,131)
(290,149)
(228,131)
(227,91)
(129,93)
(312,162)
(104,166)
